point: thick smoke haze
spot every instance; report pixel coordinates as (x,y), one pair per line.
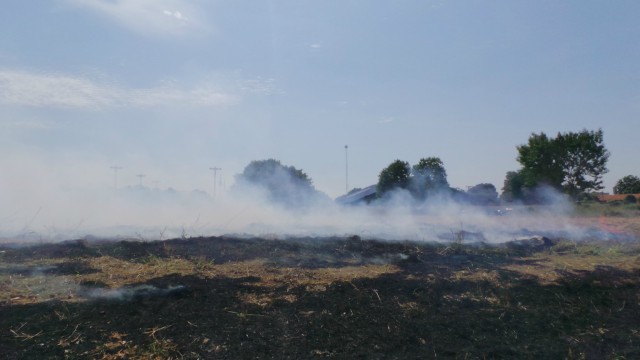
(42,205)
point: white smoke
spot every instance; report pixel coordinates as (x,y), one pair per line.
(129,293)
(37,209)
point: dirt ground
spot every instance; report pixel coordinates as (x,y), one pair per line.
(312,298)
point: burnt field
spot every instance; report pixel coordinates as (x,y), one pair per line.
(331,297)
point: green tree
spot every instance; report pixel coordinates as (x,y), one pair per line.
(283,184)
(483,194)
(513,187)
(428,177)
(584,160)
(541,161)
(570,162)
(629,184)
(394,176)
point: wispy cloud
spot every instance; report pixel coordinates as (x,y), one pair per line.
(386,120)
(149,17)
(27,124)
(260,86)
(28,89)
(62,91)
(177,14)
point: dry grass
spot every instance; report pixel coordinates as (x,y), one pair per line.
(315,298)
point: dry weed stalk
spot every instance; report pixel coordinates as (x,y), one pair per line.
(152,332)
(24,336)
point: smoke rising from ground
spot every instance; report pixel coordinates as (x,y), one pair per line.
(128,293)
(36,212)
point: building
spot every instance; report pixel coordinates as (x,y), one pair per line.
(365,195)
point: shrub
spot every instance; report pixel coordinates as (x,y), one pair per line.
(629,184)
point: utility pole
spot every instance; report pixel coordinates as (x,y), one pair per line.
(220,182)
(140,176)
(115,175)
(346,167)
(215,173)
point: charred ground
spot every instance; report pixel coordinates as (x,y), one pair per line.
(307,298)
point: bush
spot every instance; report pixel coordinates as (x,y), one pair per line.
(395,176)
(283,184)
(629,184)
(630,199)
(612,213)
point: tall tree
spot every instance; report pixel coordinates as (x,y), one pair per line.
(629,184)
(283,184)
(584,161)
(512,188)
(429,176)
(541,161)
(570,162)
(394,176)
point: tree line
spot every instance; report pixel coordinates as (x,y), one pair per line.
(572,163)
(428,179)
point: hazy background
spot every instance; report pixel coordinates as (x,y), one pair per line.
(170,88)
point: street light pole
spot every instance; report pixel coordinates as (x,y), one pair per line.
(115,175)
(215,173)
(140,176)
(346,167)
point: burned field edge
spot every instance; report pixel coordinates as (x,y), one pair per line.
(340,297)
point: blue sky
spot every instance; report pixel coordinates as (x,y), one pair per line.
(170,88)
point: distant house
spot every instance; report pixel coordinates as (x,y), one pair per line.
(365,195)
(616,197)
